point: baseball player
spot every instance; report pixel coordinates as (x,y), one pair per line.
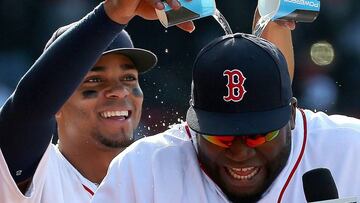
(244,139)
(86,79)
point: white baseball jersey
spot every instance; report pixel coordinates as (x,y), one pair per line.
(164,168)
(55,181)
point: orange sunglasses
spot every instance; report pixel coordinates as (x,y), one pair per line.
(250,141)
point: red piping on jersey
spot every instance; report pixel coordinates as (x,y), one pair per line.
(88,190)
(298,160)
(188,131)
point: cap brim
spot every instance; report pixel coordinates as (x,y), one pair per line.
(212,123)
(144,60)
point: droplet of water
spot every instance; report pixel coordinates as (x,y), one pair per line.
(18,172)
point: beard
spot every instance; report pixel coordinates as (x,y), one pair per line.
(125,141)
(273,170)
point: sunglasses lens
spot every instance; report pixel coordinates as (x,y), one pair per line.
(254,142)
(222,141)
(261,139)
(272,135)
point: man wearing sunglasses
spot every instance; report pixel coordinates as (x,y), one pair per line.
(240,142)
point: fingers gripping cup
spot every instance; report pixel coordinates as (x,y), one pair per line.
(297,10)
(190,10)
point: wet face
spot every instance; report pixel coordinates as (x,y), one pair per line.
(106,107)
(242,172)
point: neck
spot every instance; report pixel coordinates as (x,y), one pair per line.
(89,159)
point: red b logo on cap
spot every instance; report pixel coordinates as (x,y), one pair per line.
(235,85)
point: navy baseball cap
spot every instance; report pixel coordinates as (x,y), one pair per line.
(240,86)
(144,60)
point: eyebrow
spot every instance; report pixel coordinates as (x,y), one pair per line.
(98,69)
(122,66)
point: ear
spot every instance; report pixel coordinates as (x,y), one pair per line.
(293,103)
(58,115)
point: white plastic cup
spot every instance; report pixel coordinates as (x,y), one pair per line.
(190,10)
(297,10)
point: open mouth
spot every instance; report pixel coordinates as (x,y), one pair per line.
(246,173)
(116,115)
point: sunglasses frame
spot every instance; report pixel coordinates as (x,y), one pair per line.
(226,141)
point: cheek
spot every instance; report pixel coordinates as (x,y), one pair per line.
(138,98)
(137,92)
(209,151)
(89,94)
(273,150)
(74,115)
(81,104)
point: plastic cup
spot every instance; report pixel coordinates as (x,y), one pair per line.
(190,10)
(297,10)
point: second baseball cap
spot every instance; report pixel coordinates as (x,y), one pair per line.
(240,86)
(143,59)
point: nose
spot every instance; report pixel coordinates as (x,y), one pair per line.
(239,151)
(117,91)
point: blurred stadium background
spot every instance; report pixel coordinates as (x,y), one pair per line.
(320,84)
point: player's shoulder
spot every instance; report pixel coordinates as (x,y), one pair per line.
(322,120)
(174,137)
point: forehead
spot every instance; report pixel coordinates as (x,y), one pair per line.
(110,62)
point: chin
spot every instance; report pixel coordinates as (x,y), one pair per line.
(244,198)
(116,144)
(247,194)
(115,140)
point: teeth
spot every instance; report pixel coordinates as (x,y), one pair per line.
(242,169)
(233,173)
(108,114)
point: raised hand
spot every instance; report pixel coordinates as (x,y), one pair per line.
(122,11)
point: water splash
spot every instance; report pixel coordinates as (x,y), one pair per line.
(262,23)
(223,22)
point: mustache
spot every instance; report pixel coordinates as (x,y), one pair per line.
(117,103)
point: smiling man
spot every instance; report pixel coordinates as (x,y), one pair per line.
(87,79)
(94,125)
(103,112)
(108,102)
(240,142)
